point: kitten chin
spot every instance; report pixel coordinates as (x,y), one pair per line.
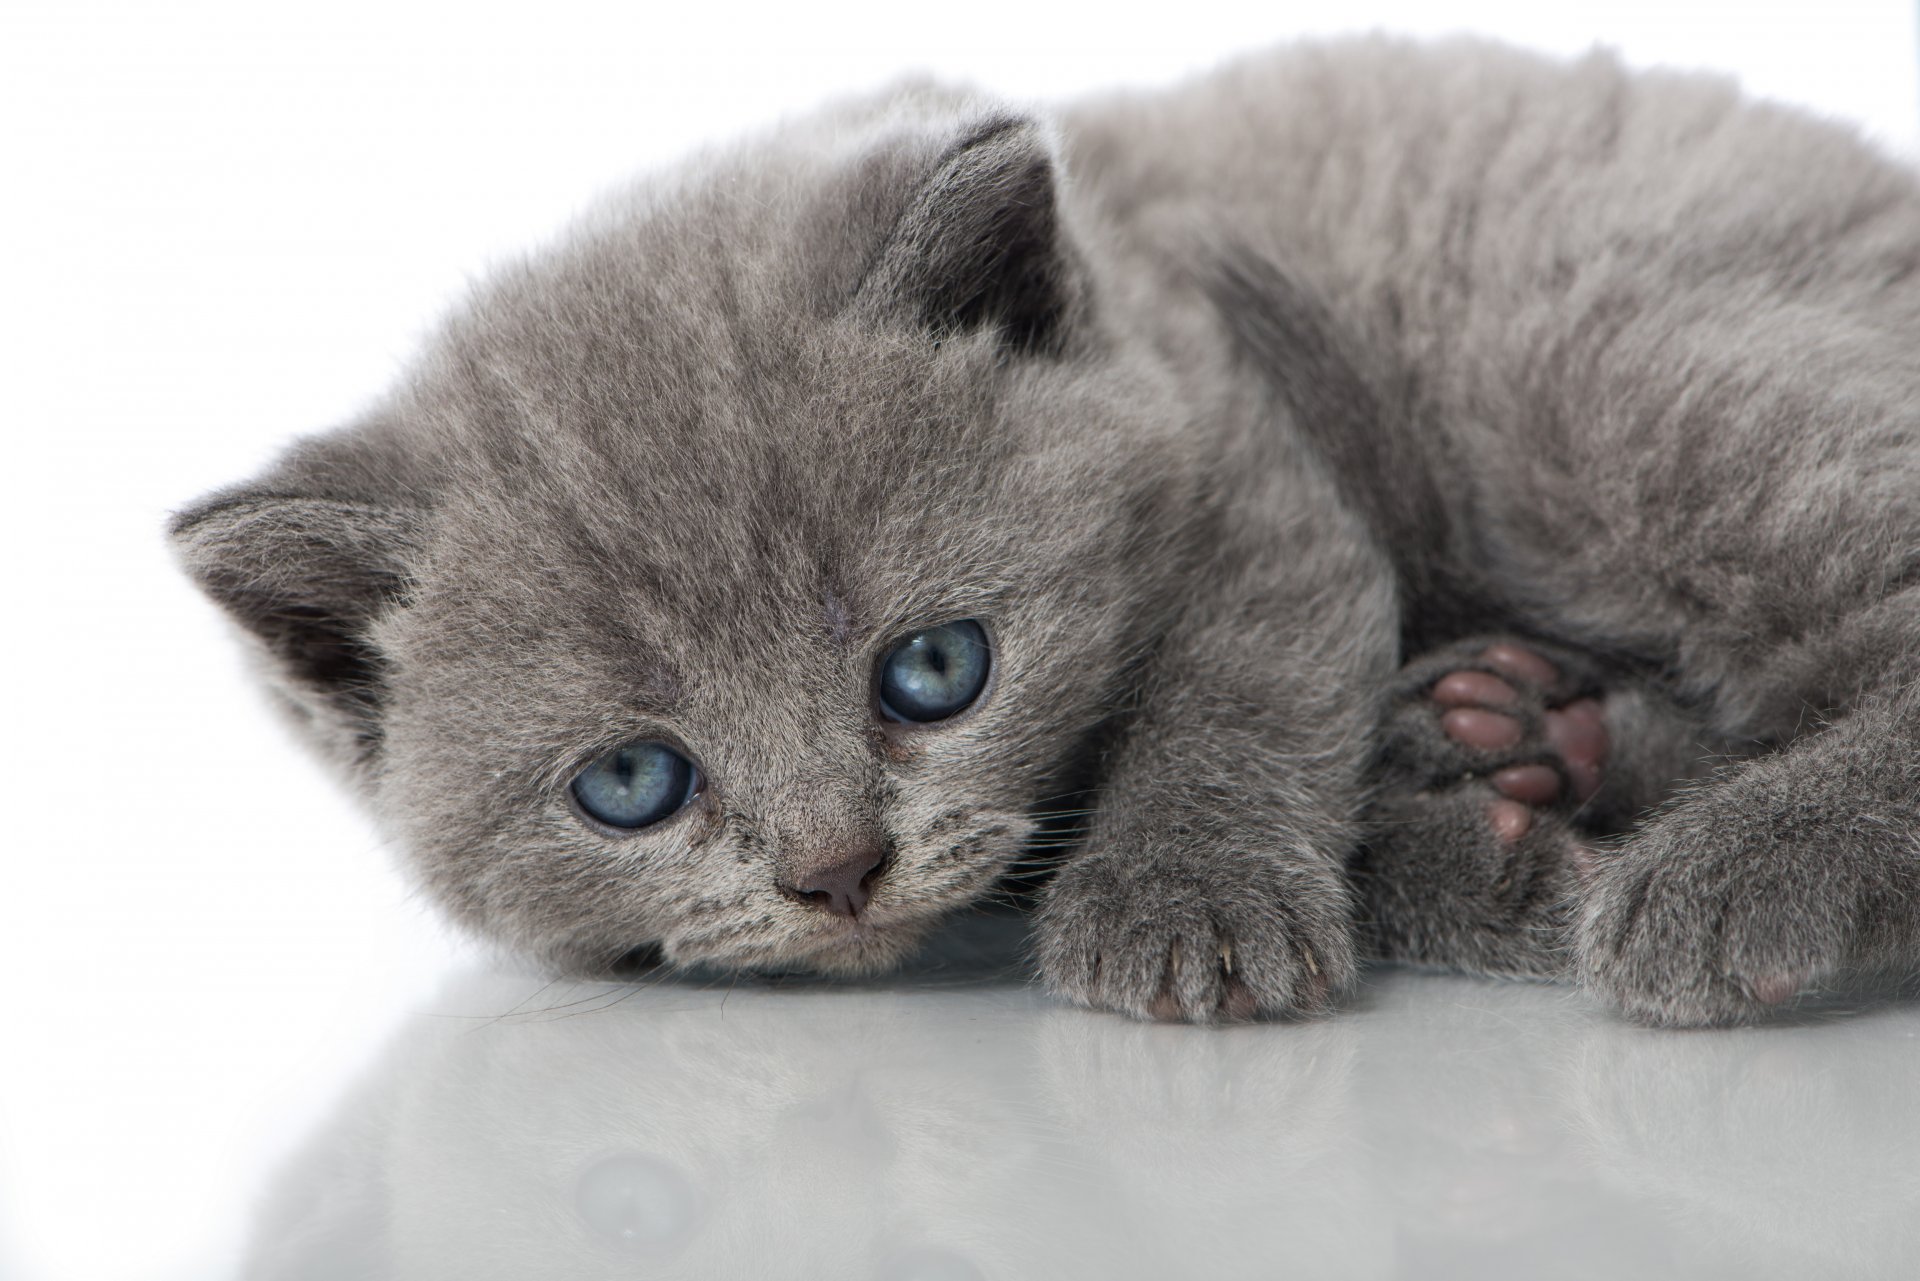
(858,950)
(851,949)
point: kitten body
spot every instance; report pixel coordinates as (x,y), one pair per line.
(1223,410)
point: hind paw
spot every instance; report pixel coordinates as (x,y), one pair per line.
(1491,751)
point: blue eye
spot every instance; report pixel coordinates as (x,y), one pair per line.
(636,785)
(933,674)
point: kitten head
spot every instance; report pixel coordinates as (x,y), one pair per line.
(743,576)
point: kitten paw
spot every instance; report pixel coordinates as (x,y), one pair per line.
(1491,751)
(1704,920)
(1775,874)
(1196,940)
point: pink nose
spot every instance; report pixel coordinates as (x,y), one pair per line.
(842,888)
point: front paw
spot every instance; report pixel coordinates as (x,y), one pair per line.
(1196,938)
(1709,918)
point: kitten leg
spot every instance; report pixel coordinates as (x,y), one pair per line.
(1500,762)
(1782,871)
(1213,886)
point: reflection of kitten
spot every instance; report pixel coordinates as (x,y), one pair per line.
(932,1132)
(1774,1147)
(755,574)
(967,1131)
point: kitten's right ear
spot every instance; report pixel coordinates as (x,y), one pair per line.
(980,244)
(306,577)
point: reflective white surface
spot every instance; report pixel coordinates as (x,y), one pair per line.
(955,1126)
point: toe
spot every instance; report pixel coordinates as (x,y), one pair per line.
(1488,731)
(1511,820)
(1520,664)
(1776,989)
(1533,784)
(1578,733)
(1238,1005)
(1474,689)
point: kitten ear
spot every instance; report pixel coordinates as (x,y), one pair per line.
(980,242)
(306,577)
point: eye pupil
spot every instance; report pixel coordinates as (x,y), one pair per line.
(636,785)
(934,674)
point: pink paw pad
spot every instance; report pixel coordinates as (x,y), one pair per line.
(1776,989)
(1520,664)
(1532,784)
(1488,731)
(1474,689)
(1578,734)
(1511,820)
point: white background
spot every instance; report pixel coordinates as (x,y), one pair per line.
(226,224)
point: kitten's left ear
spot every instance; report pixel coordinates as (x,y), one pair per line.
(979,243)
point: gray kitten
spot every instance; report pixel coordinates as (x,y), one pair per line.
(1428,500)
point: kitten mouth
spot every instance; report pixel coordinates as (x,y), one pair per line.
(870,927)
(884,934)
(880,938)
(863,946)
(860,946)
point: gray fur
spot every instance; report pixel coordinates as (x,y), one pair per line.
(1216,405)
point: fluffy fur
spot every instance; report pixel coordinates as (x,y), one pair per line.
(1225,409)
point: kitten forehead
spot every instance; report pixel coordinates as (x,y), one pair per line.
(679,410)
(839,622)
